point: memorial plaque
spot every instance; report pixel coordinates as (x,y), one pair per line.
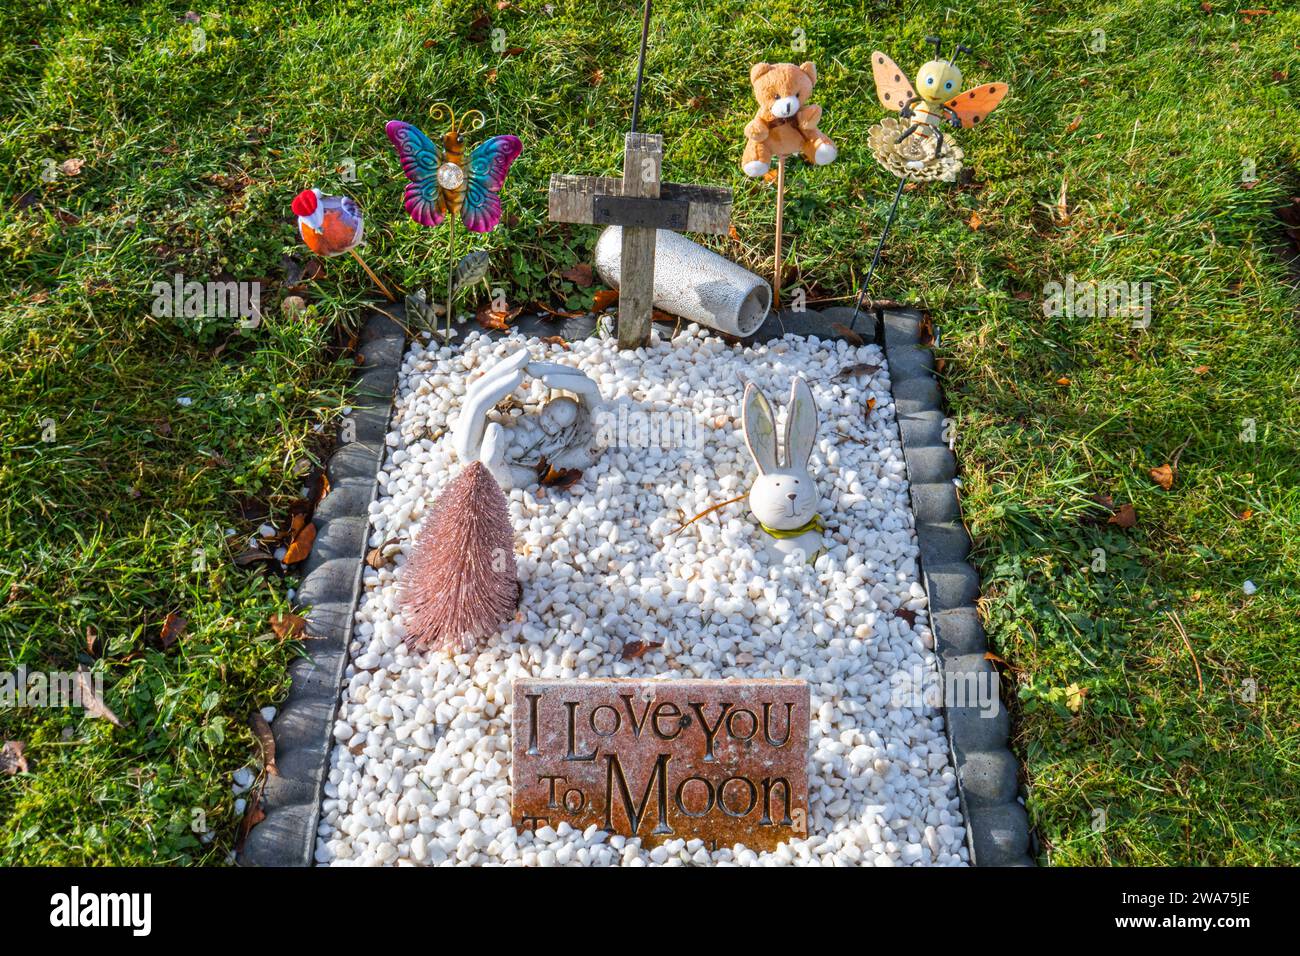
(725,761)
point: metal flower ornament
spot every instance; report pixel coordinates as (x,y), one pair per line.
(446,183)
(915,150)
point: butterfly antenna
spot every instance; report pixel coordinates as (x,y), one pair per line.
(961,48)
(937,44)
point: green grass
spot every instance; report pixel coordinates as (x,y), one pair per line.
(191,158)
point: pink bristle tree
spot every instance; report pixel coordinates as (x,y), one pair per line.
(461,583)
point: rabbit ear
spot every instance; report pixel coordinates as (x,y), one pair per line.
(800,425)
(760,428)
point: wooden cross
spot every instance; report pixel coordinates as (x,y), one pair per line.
(640,204)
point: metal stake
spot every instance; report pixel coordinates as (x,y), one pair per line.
(780,225)
(373,278)
(640,64)
(451,266)
(857,307)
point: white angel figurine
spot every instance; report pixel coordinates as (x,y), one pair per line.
(561,432)
(784,497)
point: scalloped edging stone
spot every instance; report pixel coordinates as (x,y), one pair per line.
(330,587)
(997,826)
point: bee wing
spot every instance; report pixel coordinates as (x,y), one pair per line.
(892,85)
(976,104)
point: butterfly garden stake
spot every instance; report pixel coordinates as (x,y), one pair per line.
(445,183)
(916,150)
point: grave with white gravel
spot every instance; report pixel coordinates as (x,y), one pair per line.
(614,586)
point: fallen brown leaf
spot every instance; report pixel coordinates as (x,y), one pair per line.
(1125,517)
(71,167)
(1074,124)
(604,298)
(556,340)
(579,274)
(1200,370)
(853,371)
(90,700)
(552,477)
(173,628)
(634,649)
(925,331)
(252,556)
(996,659)
(1163,476)
(266,739)
(491,319)
(846,333)
(301,544)
(253,815)
(871,405)
(375,556)
(975,221)
(905,614)
(12,761)
(1063,380)
(288,627)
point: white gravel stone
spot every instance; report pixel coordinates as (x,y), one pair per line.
(420,771)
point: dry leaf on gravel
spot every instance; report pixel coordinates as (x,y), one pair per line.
(634,649)
(852,371)
(846,333)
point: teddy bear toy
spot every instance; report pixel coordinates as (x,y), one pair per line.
(786,123)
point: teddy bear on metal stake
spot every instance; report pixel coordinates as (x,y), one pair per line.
(785,124)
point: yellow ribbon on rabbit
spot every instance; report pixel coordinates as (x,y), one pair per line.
(814,524)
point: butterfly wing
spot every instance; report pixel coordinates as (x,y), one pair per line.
(892,85)
(420,158)
(974,106)
(489,162)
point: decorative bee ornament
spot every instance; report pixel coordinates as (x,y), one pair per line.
(446,183)
(940,101)
(914,149)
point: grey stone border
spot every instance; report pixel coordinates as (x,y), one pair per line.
(997,827)
(330,587)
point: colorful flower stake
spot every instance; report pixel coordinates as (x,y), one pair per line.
(331,226)
(443,186)
(915,150)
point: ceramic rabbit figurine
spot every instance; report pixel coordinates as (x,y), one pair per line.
(784,498)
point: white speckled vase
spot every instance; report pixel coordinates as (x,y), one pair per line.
(694,282)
